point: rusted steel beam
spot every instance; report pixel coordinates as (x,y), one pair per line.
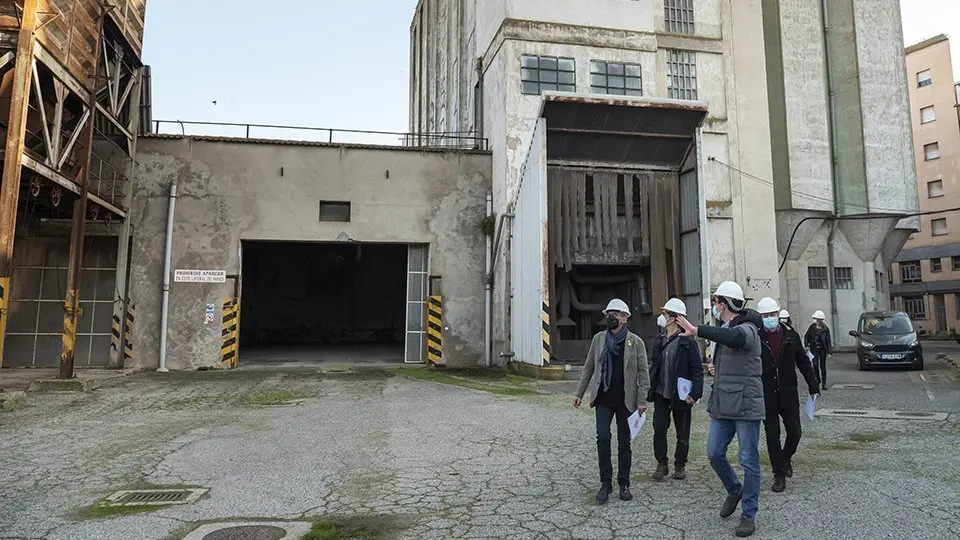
(13,153)
(71,305)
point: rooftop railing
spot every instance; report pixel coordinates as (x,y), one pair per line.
(452,140)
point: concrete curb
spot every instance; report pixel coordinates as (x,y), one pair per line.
(64,385)
(13,401)
(547,373)
(953,361)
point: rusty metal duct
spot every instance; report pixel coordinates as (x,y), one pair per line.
(637,132)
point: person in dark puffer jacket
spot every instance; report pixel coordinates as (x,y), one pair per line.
(736,403)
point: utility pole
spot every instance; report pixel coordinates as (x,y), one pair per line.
(13,156)
(71,305)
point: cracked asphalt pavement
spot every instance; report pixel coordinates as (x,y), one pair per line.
(429,460)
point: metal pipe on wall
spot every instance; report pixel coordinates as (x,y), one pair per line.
(167,257)
(488,286)
(834,165)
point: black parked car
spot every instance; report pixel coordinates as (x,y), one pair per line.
(887,338)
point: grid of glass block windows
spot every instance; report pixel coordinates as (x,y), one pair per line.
(681,74)
(539,73)
(616,78)
(678,14)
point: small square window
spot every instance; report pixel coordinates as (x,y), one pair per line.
(935,189)
(914,306)
(615,78)
(927,115)
(936,265)
(931,151)
(938,227)
(334,211)
(682,74)
(955,262)
(678,16)
(843,278)
(924,78)
(817,277)
(540,73)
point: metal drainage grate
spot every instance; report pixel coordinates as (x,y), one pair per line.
(850,413)
(154,497)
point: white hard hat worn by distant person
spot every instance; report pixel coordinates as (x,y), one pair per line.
(818,315)
(784,314)
(662,321)
(729,289)
(676,305)
(617,305)
(768,305)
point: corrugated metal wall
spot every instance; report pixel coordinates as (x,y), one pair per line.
(528,254)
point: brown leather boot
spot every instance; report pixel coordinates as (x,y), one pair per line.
(661,472)
(679,472)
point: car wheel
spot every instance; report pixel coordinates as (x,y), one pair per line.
(918,366)
(861,365)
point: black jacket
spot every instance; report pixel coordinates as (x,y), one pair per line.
(818,340)
(689,365)
(780,378)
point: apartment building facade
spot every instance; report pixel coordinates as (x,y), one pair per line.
(762,136)
(925,280)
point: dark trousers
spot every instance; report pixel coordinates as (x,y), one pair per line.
(661,423)
(780,455)
(820,366)
(605,415)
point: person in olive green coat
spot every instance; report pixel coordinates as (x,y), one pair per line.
(617,378)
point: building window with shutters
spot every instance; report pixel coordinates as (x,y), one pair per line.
(681,74)
(938,227)
(931,151)
(927,115)
(924,78)
(678,16)
(935,189)
(936,265)
(910,272)
(914,306)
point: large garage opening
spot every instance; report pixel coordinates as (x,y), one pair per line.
(321,302)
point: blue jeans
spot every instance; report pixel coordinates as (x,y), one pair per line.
(748,437)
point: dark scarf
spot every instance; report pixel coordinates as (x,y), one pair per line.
(612,347)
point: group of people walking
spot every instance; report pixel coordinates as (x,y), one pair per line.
(755,355)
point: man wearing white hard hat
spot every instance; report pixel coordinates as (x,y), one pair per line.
(675,357)
(785,318)
(817,340)
(782,355)
(736,403)
(616,375)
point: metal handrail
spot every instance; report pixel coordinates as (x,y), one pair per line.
(406,139)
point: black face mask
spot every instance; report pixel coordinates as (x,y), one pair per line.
(612,322)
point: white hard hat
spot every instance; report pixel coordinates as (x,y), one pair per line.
(676,305)
(767,305)
(784,314)
(818,315)
(662,321)
(617,305)
(729,289)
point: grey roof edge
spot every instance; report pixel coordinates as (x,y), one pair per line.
(926,43)
(288,142)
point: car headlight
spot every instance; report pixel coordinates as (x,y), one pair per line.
(866,344)
(914,344)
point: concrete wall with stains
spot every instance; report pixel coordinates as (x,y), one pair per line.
(231,191)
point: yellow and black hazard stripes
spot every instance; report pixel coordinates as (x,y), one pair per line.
(4,293)
(230,333)
(435,330)
(115,333)
(545,333)
(129,315)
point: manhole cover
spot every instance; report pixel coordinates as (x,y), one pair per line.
(248,532)
(148,497)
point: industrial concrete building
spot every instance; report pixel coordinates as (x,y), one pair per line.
(70,104)
(654,148)
(925,280)
(301,251)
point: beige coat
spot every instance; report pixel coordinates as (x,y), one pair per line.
(636,376)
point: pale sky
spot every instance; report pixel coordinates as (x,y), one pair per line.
(326,64)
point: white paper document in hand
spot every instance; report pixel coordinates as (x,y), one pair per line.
(810,355)
(636,421)
(811,406)
(684,386)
